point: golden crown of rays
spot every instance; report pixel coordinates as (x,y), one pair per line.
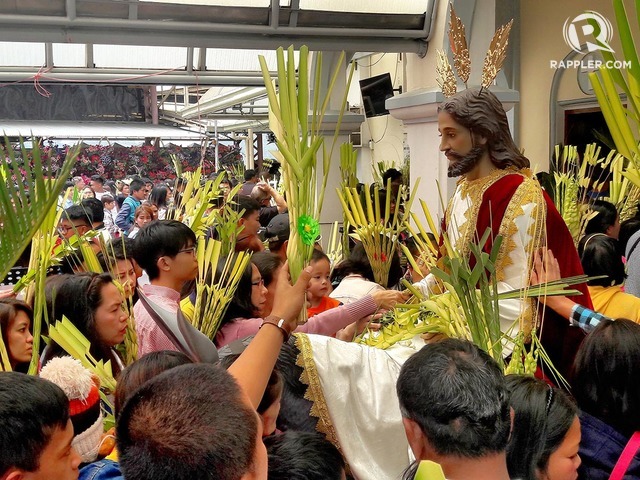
(493,60)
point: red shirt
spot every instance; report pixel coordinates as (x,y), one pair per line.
(327,303)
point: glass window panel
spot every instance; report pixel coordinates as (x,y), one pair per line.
(230,3)
(68,55)
(240,60)
(126,56)
(21,54)
(367,6)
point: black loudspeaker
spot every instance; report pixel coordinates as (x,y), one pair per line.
(375,90)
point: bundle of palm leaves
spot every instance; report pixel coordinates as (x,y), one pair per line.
(297,123)
(218,278)
(468,309)
(379,232)
(28,199)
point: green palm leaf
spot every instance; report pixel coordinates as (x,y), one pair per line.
(26,196)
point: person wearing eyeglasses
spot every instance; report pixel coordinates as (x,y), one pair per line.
(75,220)
(166,250)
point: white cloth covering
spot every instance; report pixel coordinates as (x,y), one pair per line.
(359,387)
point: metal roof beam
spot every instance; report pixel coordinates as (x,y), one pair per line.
(35,28)
(71,9)
(133,77)
(224,101)
(133,9)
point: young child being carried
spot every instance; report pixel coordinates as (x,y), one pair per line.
(319,288)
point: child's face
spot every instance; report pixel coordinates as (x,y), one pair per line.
(320,284)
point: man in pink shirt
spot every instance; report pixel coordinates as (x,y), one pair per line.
(166,250)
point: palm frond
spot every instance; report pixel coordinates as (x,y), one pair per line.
(30,190)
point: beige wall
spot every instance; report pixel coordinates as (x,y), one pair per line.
(421,72)
(385,133)
(542,41)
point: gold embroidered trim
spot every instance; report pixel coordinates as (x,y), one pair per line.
(538,234)
(474,189)
(314,393)
(529,192)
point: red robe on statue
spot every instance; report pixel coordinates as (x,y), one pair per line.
(559,338)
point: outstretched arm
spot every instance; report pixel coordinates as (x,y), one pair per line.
(546,269)
(253,368)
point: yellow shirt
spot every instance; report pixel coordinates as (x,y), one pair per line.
(614,303)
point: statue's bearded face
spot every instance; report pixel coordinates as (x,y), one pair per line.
(458,146)
(462,164)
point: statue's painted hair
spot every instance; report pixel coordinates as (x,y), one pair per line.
(481,112)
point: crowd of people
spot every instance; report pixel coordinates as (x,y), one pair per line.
(176,418)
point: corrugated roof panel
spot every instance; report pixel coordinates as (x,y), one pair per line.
(23,54)
(228,3)
(365,6)
(69,55)
(240,60)
(127,56)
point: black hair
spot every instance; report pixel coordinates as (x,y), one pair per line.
(392,174)
(543,416)
(358,263)
(135,185)
(457,394)
(294,407)
(606,216)
(246,203)
(190,422)
(267,264)
(78,212)
(272,392)
(95,208)
(120,200)
(318,255)
(98,178)
(9,308)
(599,255)
(31,410)
(249,174)
(412,246)
(627,229)
(303,456)
(158,196)
(144,369)
(274,169)
(161,238)
(240,305)
(106,198)
(606,375)
(77,297)
(121,248)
